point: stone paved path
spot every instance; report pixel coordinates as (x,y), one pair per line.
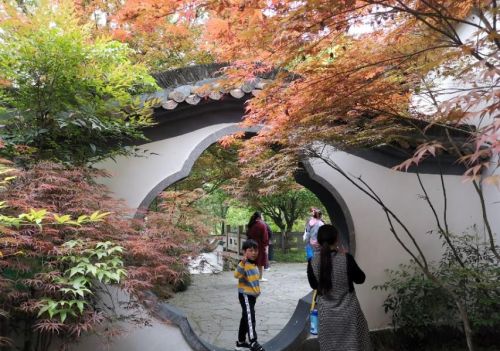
(212,307)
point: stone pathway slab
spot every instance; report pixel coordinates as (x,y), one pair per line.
(211,303)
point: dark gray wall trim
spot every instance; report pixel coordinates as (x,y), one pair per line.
(390,157)
(291,337)
(196,119)
(188,164)
(185,110)
(171,313)
(337,209)
(229,109)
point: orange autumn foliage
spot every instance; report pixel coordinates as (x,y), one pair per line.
(361,70)
(357,65)
(164,34)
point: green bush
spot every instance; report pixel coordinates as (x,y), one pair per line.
(419,305)
(292,256)
(66,96)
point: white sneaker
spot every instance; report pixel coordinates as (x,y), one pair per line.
(267,269)
(263,280)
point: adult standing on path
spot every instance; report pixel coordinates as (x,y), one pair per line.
(342,324)
(257,231)
(270,249)
(311,233)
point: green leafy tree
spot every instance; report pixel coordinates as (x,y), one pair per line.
(284,202)
(215,167)
(239,213)
(65,95)
(211,175)
(287,207)
(218,203)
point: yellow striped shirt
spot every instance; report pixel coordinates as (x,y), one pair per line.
(248,278)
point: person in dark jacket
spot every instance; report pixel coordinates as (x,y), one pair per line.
(342,324)
(257,231)
(270,248)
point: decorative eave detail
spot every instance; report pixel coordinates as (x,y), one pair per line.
(194,84)
(207,89)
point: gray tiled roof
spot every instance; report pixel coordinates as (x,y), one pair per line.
(193,84)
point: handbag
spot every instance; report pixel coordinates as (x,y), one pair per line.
(309,252)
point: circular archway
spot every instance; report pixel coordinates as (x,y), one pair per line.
(335,205)
(292,332)
(187,126)
(183,131)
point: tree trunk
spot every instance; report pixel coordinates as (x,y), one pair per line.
(283,240)
(467,329)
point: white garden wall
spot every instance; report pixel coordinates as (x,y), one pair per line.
(376,247)
(132,178)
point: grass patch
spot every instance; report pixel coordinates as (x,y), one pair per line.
(292,256)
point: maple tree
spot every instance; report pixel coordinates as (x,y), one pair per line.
(48,266)
(359,66)
(48,274)
(163,34)
(364,74)
(172,234)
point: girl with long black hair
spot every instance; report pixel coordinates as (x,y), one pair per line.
(342,325)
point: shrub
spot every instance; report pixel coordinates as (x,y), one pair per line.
(419,305)
(47,285)
(69,97)
(177,231)
(67,249)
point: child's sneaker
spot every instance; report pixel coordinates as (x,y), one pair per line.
(242,346)
(255,346)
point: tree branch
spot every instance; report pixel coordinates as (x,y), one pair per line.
(491,27)
(370,193)
(444,231)
(479,192)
